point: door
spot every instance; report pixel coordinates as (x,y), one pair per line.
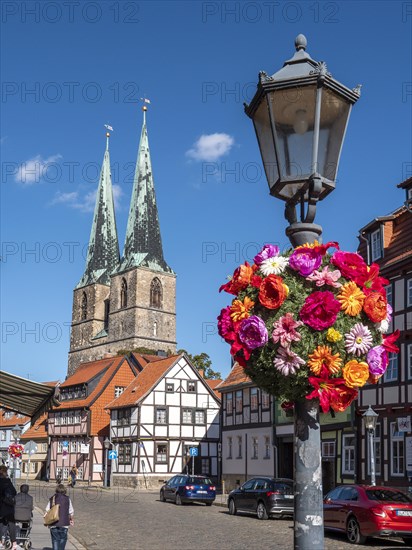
(168,489)
(247,496)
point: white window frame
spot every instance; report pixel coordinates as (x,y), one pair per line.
(389,294)
(239,402)
(161,415)
(409,293)
(254,399)
(3,435)
(229,399)
(73,446)
(392,371)
(397,451)
(348,454)
(118,390)
(265,399)
(376,241)
(328,449)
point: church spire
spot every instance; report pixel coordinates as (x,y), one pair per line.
(103,251)
(143,244)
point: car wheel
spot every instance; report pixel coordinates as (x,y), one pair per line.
(162,496)
(232,507)
(407,540)
(353,532)
(261,511)
(178,500)
(209,503)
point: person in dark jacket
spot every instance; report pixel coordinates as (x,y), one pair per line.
(58,530)
(23,505)
(7,494)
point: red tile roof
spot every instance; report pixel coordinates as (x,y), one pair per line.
(38,430)
(10,422)
(87,371)
(213,385)
(237,376)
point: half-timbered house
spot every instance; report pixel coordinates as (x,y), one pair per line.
(78,427)
(166,410)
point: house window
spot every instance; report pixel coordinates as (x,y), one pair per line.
(123,417)
(376,245)
(84,307)
(391,373)
(254,399)
(156,293)
(187,417)
(265,400)
(62,473)
(161,453)
(409,359)
(3,435)
(123,294)
(328,449)
(161,415)
(191,386)
(170,388)
(200,416)
(64,418)
(239,401)
(118,390)
(229,447)
(377,450)
(57,419)
(70,417)
(229,403)
(239,446)
(73,446)
(409,292)
(255,445)
(389,295)
(267,447)
(77,417)
(125,453)
(59,446)
(80,472)
(205,466)
(44,447)
(348,454)
(397,451)
(8,414)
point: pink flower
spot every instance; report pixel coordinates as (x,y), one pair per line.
(268,251)
(285,332)
(226,327)
(320,310)
(287,362)
(326,277)
(305,260)
(359,340)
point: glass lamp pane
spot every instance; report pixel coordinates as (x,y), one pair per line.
(261,121)
(333,120)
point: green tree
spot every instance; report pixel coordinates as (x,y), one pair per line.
(202,362)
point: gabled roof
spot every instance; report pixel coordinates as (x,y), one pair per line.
(143,359)
(213,384)
(237,377)
(144,382)
(37,430)
(13,420)
(89,371)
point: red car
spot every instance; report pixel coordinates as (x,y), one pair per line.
(363,511)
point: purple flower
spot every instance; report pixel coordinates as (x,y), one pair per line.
(253,333)
(377,359)
(305,260)
(268,251)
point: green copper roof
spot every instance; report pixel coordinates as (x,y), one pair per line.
(103,251)
(143,244)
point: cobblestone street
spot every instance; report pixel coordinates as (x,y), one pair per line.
(120,518)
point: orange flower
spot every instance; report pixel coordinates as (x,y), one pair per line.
(240,310)
(323,357)
(273,292)
(351,298)
(240,280)
(355,373)
(375,307)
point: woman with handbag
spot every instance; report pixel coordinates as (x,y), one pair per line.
(59,529)
(7,494)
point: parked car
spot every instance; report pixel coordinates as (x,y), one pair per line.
(363,511)
(185,488)
(264,496)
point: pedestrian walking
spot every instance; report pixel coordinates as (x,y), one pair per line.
(7,494)
(59,530)
(73,476)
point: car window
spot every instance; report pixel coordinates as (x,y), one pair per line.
(388,495)
(200,480)
(171,481)
(282,487)
(334,494)
(249,485)
(261,485)
(349,493)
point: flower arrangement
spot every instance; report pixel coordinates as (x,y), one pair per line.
(15,450)
(309,323)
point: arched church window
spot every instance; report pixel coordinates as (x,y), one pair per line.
(156,293)
(84,307)
(123,294)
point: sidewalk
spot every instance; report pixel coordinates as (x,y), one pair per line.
(40,535)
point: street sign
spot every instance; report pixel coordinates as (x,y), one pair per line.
(30,448)
(65,444)
(112,455)
(193,451)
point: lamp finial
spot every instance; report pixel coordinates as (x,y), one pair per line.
(300,42)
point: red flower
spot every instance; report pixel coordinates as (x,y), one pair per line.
(225,326)
(331,392)
(240,280)
(375,307)
(351,265)
(370,280)
(320,310)
(389,341)
(256,281)
(273,292)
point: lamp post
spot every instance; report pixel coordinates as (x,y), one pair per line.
(370,418)
(300,115)
(106,444)
(15,432)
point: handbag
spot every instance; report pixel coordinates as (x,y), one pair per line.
(52,515)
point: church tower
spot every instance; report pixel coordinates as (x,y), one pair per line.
(129,302)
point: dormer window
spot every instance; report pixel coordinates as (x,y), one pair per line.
(376,249)
(72,392)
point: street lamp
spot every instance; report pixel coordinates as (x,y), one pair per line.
(15,432)
(300,115)
(106,443)
(370,418)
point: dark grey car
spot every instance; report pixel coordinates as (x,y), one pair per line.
(264,496)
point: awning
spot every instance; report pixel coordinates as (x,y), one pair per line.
(25,396)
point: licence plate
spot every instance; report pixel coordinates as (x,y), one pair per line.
(288,496)
(404,513)
(203,492)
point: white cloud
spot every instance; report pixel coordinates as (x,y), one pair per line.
(35,169)
(87,202)
(64,198)
(210,147)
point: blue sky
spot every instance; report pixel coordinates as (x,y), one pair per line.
(69,68)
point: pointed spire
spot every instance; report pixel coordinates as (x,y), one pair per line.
(143,244)
(103,251)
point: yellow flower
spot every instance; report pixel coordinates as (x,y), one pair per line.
(351,298)
(355,373)
(323,356)
(333,335)
(240,310)
(308,245)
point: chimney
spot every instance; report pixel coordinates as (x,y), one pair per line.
(201,372)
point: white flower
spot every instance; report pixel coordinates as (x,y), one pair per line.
(274,265)
(383,326)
